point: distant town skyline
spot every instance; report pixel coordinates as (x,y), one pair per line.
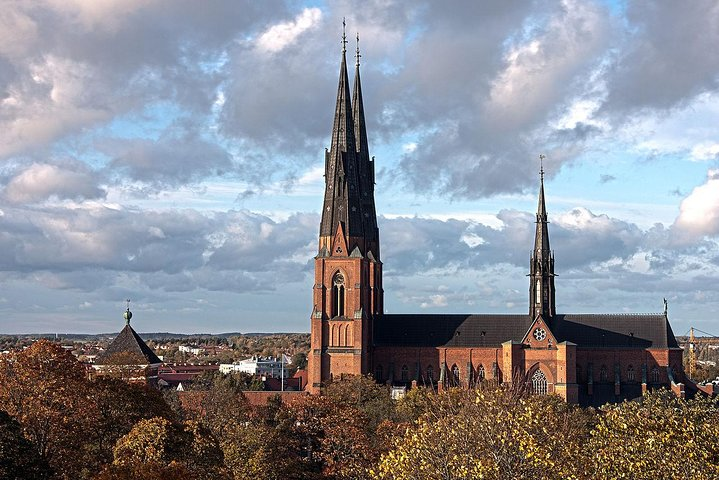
(174,156)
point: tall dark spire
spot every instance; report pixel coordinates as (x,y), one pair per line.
(366,164)
(342,207)
(541,268)
(541,238)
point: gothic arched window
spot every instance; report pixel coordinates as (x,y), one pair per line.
(430,374)
(539,383)
(630,373)
(338,295)
(405,373)
(455,374)
(603,374)
(378,373)
(480,373)
(655,375)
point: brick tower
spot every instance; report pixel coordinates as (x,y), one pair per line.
(347,290)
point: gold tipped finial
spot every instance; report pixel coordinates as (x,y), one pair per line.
(128,313)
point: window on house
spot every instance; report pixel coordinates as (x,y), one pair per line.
(338,295)
(539,383)
(455,374)
(405,373)
(630,373)
(378,374)
(480,373)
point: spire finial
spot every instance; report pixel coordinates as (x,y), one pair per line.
(357,55)
(344,36)
(128,313)
(541,165)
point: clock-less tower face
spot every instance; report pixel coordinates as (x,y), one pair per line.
(539,334)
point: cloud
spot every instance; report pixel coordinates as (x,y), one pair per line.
(42,181)
(67,66)
(665,60)
(699,211)
(277,37)
(606,178)
(178,157)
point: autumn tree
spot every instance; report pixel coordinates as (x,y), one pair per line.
(19,459)
(46,390)
(119,406)
(492,434)
(165,446)
(328,439)
(366,395)
(662,436)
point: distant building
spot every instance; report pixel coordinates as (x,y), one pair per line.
(172,376)
(193,349)
(258,366)
(128,357)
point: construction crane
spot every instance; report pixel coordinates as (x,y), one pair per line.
(692,354)
(692,346)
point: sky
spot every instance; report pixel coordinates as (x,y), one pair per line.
(171,152)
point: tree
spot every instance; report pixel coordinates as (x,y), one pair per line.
(299,360)
(256,451)
(120,405)
(364,394)
(662,436)
(46,390)
(19,459)
(492,434)
(161,444)
(327,438)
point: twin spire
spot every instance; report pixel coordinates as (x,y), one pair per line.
(349,170)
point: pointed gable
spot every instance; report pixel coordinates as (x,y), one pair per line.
(539,335)
(339,245)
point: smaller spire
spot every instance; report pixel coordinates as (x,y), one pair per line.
(128,313)
(344,36)
(357,55)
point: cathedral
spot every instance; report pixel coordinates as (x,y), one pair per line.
(588,359)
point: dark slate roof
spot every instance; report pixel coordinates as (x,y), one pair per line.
(128,341)
(615,330)
(586,330)
(448,330)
